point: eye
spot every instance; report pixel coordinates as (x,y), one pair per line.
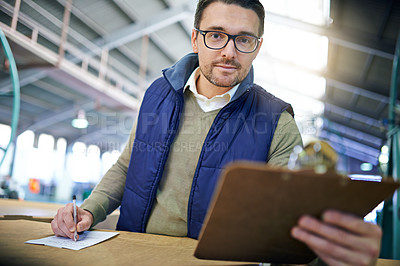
(244,39)
(215,35)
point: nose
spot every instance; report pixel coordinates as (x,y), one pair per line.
(229,51)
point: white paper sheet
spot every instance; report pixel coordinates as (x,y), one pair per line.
(87,239)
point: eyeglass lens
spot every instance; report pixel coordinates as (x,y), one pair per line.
(217,40)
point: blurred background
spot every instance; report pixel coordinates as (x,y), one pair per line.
(84,66)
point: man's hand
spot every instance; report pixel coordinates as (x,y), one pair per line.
(63,223)
(340,239)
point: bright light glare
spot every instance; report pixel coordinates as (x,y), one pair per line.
(295,46)
(5,134)
(108,159)
(376,178)
(366,167)
(79,148)
(383,158)
(80,123)
(304,107)
(385,149)
(310,11)
(26,139)
(61,145)
(290,78)
(46,142)
(93,151)
(303,90)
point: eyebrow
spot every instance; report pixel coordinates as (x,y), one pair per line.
(218,28)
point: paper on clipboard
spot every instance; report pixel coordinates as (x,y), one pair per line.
(254,208)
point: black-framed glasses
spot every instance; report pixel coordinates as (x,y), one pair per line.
(218,39)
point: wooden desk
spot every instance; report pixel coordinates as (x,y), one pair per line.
(125,249)
(29,208)
(11,209)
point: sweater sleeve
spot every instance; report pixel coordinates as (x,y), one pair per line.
(286,137)
(107,195)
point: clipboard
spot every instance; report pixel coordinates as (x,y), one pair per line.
(255,206)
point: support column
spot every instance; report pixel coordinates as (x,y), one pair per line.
(15,15)
(64,32)
(143,61)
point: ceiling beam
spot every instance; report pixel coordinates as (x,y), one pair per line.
(51,118)
(356,90)
(25,41)
(369,122)
(155,38)
(58,89)
(351,148)
(79,37)
(339,82)
(385,18)
(382,27)
(362,88)
(38,102)
(100,31)
(137,30)
(353,134)
(192,6)
(352,115)
(72,74)
(26,76)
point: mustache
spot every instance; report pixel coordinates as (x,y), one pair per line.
(230,62)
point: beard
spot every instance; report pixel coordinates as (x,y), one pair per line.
(221,80)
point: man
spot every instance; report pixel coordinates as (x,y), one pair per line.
(202,114)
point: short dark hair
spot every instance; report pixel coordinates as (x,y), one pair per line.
(254,5)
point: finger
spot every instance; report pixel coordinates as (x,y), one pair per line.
(57,225)
(329,260)
(69,218)
(336,252)
(55,228)
(369,234)
(352,223)
(342,237)
(85,220)
(61,222)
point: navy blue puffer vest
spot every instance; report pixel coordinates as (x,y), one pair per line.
(242,130)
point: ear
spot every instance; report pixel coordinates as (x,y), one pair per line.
(195,34)
(258,48)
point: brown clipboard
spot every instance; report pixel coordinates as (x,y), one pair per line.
(254,208)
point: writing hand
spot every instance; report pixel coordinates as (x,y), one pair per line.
(63,223)
(340,239)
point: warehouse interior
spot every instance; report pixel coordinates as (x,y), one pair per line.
(333,60)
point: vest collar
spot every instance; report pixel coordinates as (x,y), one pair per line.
(179,73)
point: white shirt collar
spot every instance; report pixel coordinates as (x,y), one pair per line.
(206,104)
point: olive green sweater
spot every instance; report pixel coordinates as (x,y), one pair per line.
(169,214)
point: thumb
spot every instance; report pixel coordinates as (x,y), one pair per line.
(85,221)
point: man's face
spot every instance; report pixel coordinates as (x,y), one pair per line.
(226,67)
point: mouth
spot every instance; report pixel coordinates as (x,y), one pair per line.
(223,67)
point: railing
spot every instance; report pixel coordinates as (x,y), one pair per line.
(104,68)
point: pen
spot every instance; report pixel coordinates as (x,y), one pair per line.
(74,202)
